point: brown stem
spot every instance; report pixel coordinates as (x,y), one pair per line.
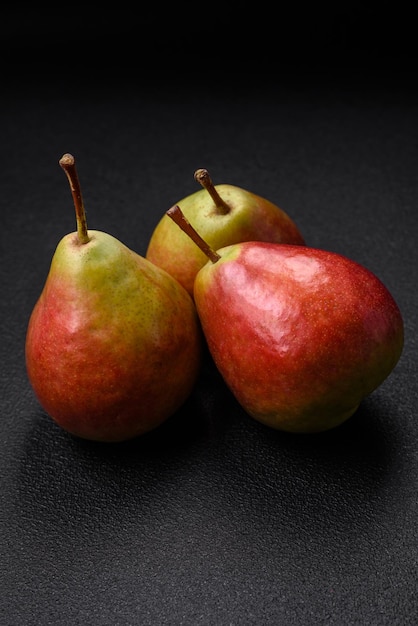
(178,217)
(67,163)
(202,176)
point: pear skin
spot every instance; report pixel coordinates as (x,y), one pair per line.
(222,214)
(300,335)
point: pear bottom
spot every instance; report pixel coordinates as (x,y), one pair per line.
(303,425)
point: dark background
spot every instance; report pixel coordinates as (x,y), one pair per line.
(212,518)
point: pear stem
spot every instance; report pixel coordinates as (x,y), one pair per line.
(202,176)
(178,217)
(67,163)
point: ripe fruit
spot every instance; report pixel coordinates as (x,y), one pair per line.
(113,344)
(300,335)
(223,214)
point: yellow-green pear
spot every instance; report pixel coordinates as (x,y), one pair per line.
(222,214)
(113,344)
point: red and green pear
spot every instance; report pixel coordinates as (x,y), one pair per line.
(223,214)
(300,335)
(113,344)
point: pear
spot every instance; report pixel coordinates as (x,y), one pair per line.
(222,214)
(113,344)
(300,335)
